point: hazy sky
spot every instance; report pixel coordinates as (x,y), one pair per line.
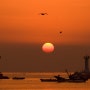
(23,31)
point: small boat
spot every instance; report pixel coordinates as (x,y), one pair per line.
(55,79)
(49,80)
(18,78)
(3,77)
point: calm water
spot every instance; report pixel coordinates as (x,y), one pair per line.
(32,82)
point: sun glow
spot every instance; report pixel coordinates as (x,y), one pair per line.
(48,47)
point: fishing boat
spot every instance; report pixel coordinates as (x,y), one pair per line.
(73,80)
(18,78)
(48,80)
(3,77)
(76,80)
(76,77)
(55,79)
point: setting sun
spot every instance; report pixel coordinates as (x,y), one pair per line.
(48,47)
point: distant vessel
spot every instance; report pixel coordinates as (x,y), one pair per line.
(18,78)
(3,77)
(55,79)
(49,80)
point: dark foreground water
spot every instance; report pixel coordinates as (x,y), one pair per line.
(32,82)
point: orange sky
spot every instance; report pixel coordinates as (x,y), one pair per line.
(20,21)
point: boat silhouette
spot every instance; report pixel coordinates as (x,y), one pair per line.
(3,77)
(18,78)
(75,78)
(48,80)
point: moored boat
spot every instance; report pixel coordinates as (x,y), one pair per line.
(18,78)
(55,79)
(76,77)
(3,77)
(49,80)
(76,80)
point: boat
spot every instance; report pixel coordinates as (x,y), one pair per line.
(18,78)
(73,80)
(76,80)
(3,77)
(55,79)
(48,80)
(76,77)
(60,79)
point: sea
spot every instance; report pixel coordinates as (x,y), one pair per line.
(32,82)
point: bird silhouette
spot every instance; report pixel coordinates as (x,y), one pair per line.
(60,32)
(43,14)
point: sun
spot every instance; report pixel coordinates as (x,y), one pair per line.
(48,47)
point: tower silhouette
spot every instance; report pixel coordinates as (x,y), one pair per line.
(86,58)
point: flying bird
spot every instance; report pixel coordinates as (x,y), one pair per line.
(60,32)
(43,14)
